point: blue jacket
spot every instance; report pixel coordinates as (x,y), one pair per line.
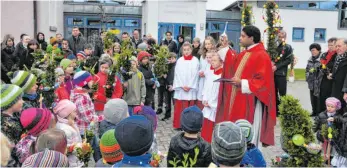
(134,161)
(253,157)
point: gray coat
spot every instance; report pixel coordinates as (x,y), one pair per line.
(76,44)
(312,71)
(136,90)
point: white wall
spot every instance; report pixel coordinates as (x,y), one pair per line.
(189,12)
(308,19)
(50,13)
(17,17)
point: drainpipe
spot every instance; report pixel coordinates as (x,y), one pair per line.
(35,17)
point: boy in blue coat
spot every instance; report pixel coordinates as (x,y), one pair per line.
(253,156)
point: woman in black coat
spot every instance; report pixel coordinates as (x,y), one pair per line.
(7,50)
(327,60)
(32,47)
(21,51)
(42,44)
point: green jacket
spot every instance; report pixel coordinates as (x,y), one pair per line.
(135,93)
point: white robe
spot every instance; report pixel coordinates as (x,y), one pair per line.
(202,68)
(210,94)
(186,74)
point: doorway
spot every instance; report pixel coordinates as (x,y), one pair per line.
(187,30)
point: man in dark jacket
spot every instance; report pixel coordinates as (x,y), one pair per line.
(169,92)
(169,42)
(285,53)
(41,40)
(136,38)
(339,71)
(21,51)
(99,44)
(76,41)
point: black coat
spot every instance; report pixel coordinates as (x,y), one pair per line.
(344,89)
(20,55)
(136,43)
(342,139)
(147,73)
(6,63)
(171,44)
(312,69)
(322,119)
(339,75)
(42,45)
(170,74)
(98,48)
(180,145)
(76,44)
(284,61)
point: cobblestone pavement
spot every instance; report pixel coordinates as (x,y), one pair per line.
(298,89)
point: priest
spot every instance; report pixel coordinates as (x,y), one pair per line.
(247,88)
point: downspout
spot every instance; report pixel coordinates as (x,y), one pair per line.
(35,17)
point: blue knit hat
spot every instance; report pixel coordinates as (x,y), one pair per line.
(71,57)
(192,119)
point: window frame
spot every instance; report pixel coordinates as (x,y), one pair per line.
(303,34)
(339,16)
(320,40)
(138,22)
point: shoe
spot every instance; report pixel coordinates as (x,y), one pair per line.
(165,118)
(159,111)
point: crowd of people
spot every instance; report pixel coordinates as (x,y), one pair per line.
(225,103)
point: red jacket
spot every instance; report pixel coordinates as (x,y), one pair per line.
(61,93)
(100,95)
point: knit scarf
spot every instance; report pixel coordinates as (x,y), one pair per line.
(338,60)
(30,96)
(327,57)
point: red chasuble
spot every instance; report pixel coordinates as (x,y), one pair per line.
(253,65)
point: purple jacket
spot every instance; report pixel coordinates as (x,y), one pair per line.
(68,84)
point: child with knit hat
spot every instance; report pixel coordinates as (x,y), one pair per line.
(253,156)
(150,114)
(145,68)
(228,145)
(110,150)
(135,136)
(114,112)
(34,121)
(187,141)
(73,58)
(101,77)
(11,104)
(66,114)
(47,158)
(135,93)
(27,82)
(68,69)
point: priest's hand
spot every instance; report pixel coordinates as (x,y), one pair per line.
(236,81)
(201,74)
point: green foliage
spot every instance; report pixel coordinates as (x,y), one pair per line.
(324,131)
(123,65)
(161,66)
(271,21)
(110,83)
(247,17)
(38,54)
(295,120)
(109,40)
(187,161)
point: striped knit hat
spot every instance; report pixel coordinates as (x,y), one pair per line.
(35,120)
(247,129)
(10,94)
(47,158)
(81,78)
(109,147)
(24,79)
(81,54)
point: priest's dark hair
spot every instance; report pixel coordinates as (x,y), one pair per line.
(316,46)
(252,31)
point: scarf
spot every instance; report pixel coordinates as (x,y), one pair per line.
(338,60)
(331,114)
(327,57)
(30,96)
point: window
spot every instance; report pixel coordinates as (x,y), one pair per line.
(305,5)
(343,15)
(319,34)
(207,26)
(74,21)
(131,23)
(217,26)
(298,34)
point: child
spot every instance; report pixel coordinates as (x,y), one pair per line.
(150,114)
(66,114)
(34,121)
(253,156)
(135,136)
(73,58)
(11,104)
(340,158)
(187,141)
(168,85)
(143,58)
(312,70)
(228,145)
(208,45)
(135,88)
(85,107)
(116,48)
(59,86)
(27,82)
(87,52)
(52,139)
(115,111)
(185,83)
(110,150)
(101,78)
(210,96)
(47,158)
(68,68)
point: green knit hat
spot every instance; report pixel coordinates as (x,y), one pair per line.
(10,94)
(64,63)
(24,79)
(109,147)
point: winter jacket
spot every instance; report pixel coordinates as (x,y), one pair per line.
(171,45)
(6,63)
(76,44)
(286,57)
(196,52)
(253,157)
(67,53)
(61,93)
(312,71)
(136,43)
(148,74)
(42,44)
(179,50)
(339,75)
(341,123)
(180,145)
(98,48)
(68,84)
(29,102)
(171,74)
(20,55)
(319,121)
(136,91)
(325,83)
(134,161)
(30,59)
(100,98)
(11,126)
(105,126)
